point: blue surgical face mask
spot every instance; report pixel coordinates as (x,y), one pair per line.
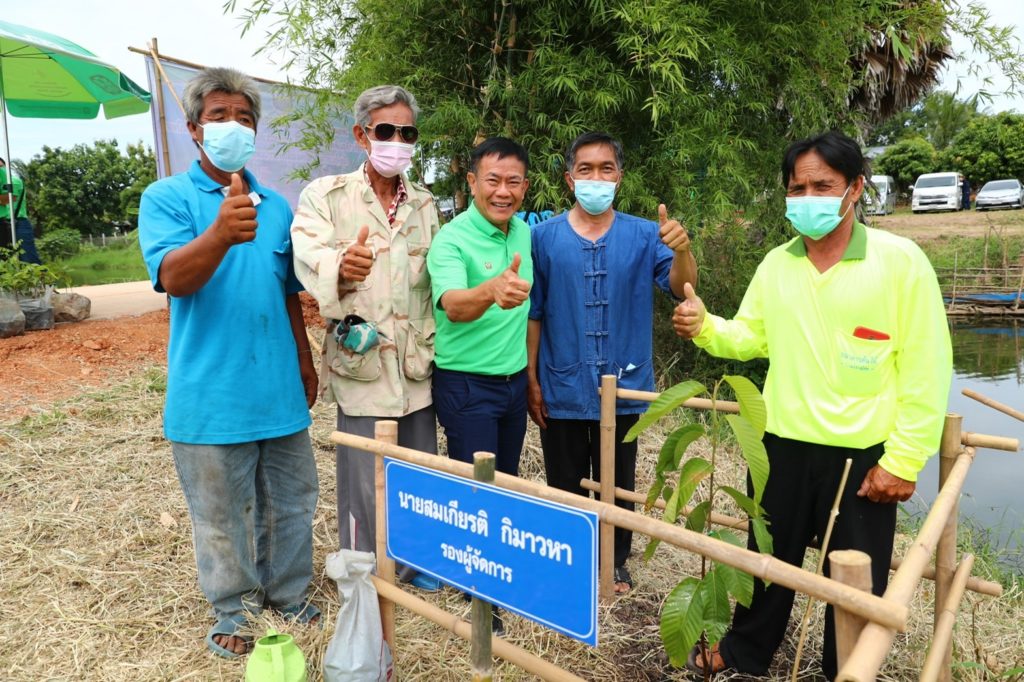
(594,196)
(228,144)
(816,217)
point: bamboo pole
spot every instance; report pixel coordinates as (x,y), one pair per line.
(481,663)
(945,552)
(726,406)
(876,639)
(639,498)
(995,405)
(937,662)
(765,567)
(384,431)
(974,584)
(952,299)
(850,567)
(606,545)
(981,440)
(162,118)
(509,652)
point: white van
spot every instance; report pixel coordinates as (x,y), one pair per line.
(881,201)
(936,192)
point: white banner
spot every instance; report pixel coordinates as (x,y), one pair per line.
(271,166)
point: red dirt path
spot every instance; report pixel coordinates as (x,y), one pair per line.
(41,367)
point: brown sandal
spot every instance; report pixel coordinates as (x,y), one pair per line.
(718,663)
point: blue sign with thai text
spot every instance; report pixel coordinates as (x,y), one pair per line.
(530,556)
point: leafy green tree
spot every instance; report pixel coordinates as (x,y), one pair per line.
(906,160)
(989,148)
(86,188)
(945,116)
(938,118)
(705,95)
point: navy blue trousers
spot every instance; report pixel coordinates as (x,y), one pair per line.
(482,413)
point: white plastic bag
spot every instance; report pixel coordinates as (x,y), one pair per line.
(357,652)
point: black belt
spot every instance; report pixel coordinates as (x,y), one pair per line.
(497,378)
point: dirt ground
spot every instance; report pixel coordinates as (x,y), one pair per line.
(40,367)
(922,226)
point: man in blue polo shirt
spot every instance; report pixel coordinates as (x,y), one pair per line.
(240,376)
(591,313)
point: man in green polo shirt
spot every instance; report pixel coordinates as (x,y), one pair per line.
(853,324)
(23,228)
(481,273)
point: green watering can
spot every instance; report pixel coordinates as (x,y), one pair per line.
(275,658)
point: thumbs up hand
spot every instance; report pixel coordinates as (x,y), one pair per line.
(508,289)
(236,220)
(357,259)
(688,317)
(673,234)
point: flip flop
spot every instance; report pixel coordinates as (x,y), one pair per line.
(622,576)
(303,613)
(691,660)
(230,626)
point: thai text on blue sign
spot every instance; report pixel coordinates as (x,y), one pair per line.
(530,556)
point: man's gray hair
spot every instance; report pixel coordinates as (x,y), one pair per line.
(382,96)
(219,79)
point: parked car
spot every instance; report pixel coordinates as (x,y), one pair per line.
(880,197)
(937,192)
(1000,194)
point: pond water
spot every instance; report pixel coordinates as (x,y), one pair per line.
(988,357)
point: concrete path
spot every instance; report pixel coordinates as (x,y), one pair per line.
(122,300)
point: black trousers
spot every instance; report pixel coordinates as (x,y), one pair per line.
(572,451)
(798,498)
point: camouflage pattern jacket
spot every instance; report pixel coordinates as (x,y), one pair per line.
(393,378)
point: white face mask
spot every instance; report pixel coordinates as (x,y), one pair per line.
(390,158)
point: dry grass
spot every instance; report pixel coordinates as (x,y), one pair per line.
(98,576)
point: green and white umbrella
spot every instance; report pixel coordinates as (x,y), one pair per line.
(46,76)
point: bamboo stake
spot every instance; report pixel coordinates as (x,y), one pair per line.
(481,663)
(158,73)
(765,567)
(995,405)
(981,440)
(509,652)
(606,546)
(945,552)
(821,565)
(974,584)
(875,641)
(384,431)
(936,663)
(850,567)
(726,406)
(952,299)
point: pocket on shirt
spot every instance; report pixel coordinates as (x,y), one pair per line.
(282,256)
(633,377)
(419,278)
(567,389)
(360,367)
(862,366)
(419,349)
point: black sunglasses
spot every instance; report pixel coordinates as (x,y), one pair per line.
(386,131)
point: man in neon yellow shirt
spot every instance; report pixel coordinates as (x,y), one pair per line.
(852,322)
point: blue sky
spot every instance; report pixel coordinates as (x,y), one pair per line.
(198,31)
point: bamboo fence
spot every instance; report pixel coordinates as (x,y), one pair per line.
(866,624)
